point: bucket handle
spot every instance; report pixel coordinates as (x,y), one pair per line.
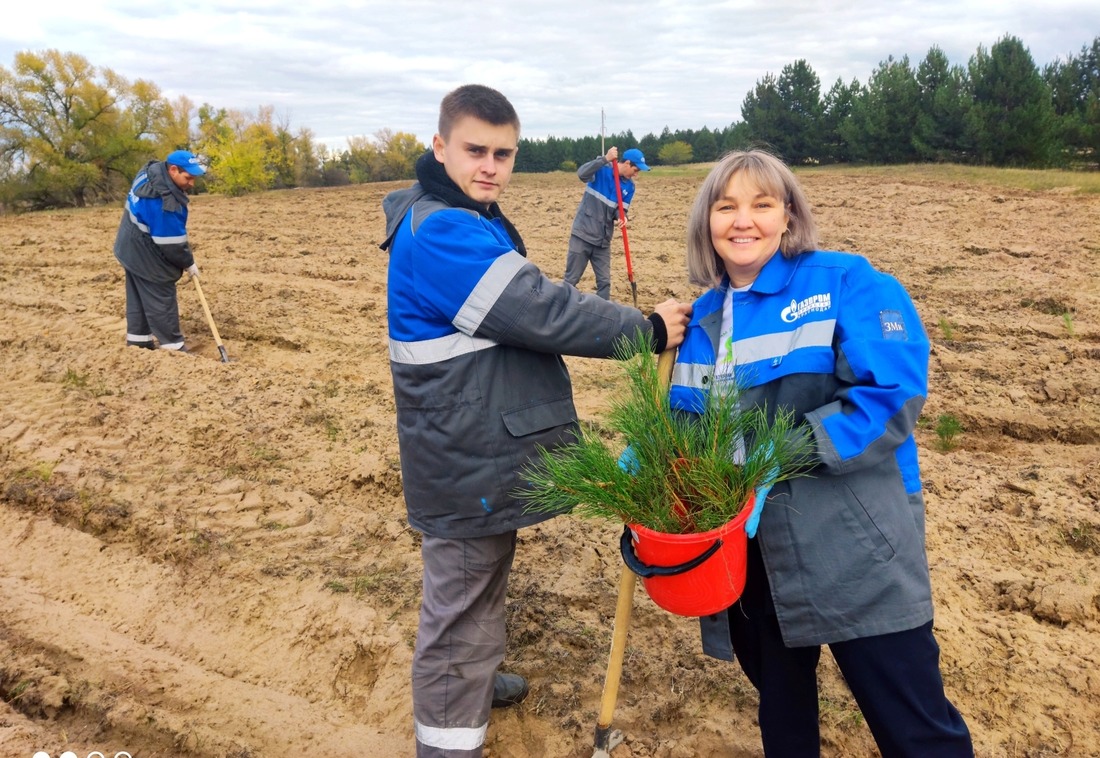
(644,570)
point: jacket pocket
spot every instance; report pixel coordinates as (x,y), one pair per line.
(867,526)
(532,419)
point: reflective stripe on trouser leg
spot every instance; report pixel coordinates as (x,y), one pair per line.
(460,641)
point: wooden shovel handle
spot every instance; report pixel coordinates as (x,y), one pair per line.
(665,364)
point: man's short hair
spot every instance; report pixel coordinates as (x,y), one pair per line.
(479,101)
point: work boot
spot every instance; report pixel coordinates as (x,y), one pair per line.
(148,345)
(508,689)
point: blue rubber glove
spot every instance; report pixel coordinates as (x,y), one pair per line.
(754,518)
(762,491)
(628,461)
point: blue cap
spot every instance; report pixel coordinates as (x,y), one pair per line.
(634,155)
(186,161)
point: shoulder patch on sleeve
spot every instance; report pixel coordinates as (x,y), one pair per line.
(893,325)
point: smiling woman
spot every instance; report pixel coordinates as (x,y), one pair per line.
(838,557)
(746,226)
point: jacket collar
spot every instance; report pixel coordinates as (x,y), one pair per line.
(776,274)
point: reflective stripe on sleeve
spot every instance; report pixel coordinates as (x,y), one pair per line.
(437,350)
(484,296)
(605,200)
(134,220)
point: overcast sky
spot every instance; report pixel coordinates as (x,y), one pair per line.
(347,69)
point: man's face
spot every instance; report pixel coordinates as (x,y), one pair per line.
(181,178)
(628,170)
(478,157)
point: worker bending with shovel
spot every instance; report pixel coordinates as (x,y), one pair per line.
(600,210)
(152,247)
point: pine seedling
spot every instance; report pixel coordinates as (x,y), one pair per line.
(947,328)
(1067,320)
(686,472)
(947,427)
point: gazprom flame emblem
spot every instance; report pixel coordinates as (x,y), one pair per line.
(813,304)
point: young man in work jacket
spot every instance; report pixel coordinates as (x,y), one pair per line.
(476,337)
(152,247)
(598,215)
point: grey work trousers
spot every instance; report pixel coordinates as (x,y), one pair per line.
(460,642)
(582,253)
(152,310)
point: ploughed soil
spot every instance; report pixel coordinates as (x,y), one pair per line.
(201,558)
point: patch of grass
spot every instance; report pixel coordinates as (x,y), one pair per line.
(17,691)
(325,421)
(74,379)
(79,381)
(842,714)
(688,169)
(947,428)
(1032,180)
(42,471)
(1083,538)
(265,454)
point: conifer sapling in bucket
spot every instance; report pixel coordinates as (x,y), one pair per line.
(680,473)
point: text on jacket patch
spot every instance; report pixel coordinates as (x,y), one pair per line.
(798,309)
(893,325)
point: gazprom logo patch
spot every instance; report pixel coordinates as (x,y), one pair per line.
(813,304)
(893,325)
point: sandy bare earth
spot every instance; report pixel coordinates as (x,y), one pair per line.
(210,559)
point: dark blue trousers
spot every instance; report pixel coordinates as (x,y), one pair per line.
(895,679)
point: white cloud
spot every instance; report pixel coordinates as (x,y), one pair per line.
(345,69)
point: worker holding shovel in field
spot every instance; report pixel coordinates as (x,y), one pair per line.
(599,212)
(152,247)
(476,335)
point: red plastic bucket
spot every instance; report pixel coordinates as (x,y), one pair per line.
(691,574)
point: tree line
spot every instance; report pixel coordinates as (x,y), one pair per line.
(998,110)
(73,134)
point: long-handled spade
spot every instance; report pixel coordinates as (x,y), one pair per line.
(210,320)
(626,241)
(606,738)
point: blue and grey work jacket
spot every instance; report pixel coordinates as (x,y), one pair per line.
(598,211)
(825,335)
(152,236)
(476,338)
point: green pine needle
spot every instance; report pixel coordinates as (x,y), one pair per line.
(686,479)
